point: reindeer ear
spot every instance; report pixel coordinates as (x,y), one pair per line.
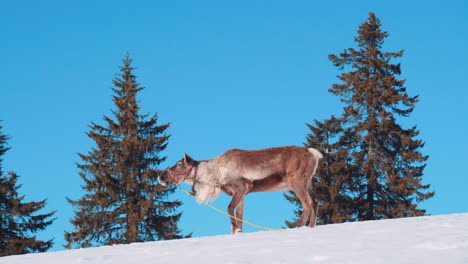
(188,159)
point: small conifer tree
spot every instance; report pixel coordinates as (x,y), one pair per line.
(19,220)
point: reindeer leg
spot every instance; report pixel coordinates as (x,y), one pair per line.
(236,198)
(314,211)
(239,215)
(304,196)
(239,191)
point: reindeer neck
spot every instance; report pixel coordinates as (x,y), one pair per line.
(200,169)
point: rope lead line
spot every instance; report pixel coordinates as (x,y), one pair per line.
(221,211)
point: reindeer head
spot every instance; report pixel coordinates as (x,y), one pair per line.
(179,172)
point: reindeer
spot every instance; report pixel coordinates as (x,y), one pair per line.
(239,172)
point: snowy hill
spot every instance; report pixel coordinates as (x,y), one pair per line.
(428,239)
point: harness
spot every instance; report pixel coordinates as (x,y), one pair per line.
(186,173)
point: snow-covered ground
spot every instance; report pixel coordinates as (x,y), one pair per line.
(428,239)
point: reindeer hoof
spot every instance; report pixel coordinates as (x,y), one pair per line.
(193,192)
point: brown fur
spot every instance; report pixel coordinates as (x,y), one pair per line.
(239,172)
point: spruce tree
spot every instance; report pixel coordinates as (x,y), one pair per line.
(374,167)
(19,220)
(388,156)
(123,202)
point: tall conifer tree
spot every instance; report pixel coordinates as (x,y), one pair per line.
(123,202)
(382,160)
(388,156)
(19,220)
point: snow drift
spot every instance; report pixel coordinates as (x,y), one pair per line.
(428,239)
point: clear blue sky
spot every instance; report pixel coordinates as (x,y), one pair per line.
(244,74)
